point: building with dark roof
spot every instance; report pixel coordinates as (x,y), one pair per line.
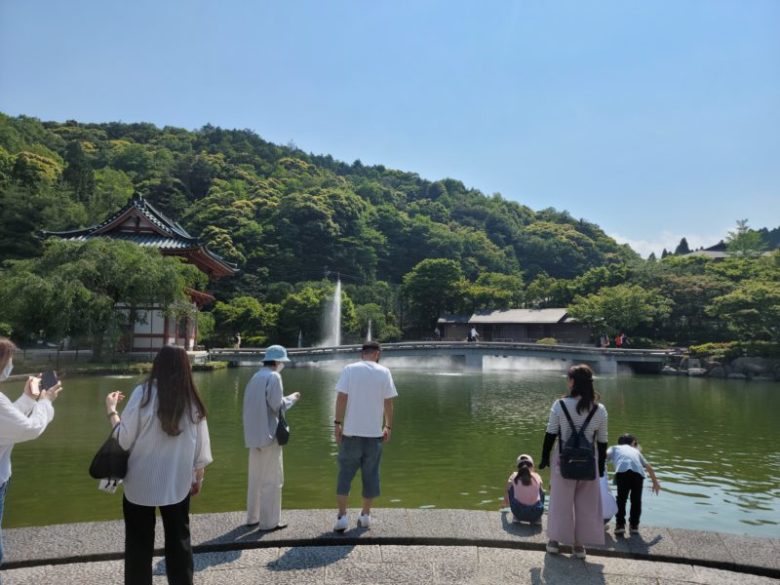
(521,325)
(141,223)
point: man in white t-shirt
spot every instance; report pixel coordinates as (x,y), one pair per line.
(364,420)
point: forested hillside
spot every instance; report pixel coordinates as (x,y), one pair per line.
(277,211)
(289,219)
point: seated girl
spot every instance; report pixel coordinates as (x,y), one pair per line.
(524,492)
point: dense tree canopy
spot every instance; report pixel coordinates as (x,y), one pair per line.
(407,249)
(77,289)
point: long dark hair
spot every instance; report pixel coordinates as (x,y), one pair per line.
(582,376)
(524,472)
(176,391)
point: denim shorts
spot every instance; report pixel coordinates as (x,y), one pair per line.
(362,453)
(525,512)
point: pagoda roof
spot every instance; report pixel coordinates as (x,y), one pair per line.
(141,223)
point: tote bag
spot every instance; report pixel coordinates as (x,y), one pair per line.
(110,462)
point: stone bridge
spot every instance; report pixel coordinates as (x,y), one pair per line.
(603,360)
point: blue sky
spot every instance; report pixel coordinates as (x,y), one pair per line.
(655,120)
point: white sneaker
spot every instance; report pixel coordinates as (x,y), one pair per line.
(342,523)
(364,521)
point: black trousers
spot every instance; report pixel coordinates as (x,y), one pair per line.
(139,542)
(629,484)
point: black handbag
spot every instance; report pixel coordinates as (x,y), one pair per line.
(282,429)
(110,462)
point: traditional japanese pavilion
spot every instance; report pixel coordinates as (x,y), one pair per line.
(139,222)
(522,325)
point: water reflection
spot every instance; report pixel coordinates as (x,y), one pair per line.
(455,439)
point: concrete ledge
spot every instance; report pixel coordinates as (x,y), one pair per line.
(222,532)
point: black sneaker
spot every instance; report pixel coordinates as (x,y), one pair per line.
(620,529)
(634,528)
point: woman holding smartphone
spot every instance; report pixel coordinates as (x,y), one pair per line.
(22,420)
(164,428)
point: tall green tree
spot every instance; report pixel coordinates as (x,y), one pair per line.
(752,310)
(682,248)
(90,288)
(619,308)
(246,316)
(78,173)
(433,287)
(744,241)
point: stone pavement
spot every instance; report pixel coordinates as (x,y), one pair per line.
(403,546)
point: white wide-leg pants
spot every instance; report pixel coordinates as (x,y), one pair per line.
(264,493)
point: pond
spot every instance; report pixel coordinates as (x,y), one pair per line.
(456,435)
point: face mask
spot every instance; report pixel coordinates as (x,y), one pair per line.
(279,367)
(7,370)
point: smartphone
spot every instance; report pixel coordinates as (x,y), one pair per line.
(49,379)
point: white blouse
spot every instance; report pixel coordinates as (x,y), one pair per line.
(20,421)
(160,470)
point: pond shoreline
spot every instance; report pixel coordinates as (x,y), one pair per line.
(224,532)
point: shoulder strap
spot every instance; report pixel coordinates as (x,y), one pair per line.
(571,422)
(590,416)
(568,416)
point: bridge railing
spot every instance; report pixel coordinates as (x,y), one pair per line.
(352,350)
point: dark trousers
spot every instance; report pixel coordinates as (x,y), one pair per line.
(139,542)
(629,484)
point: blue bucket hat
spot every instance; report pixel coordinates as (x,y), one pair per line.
(276,353)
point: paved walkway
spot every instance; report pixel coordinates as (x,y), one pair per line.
(402,546)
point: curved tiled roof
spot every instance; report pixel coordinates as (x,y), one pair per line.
(168,236)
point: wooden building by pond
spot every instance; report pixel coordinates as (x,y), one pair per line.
(516,325)
(141,223)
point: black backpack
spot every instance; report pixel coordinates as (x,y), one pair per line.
(577,457)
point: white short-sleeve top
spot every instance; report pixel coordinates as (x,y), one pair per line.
(367,386)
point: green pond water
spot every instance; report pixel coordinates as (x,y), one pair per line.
(713,443)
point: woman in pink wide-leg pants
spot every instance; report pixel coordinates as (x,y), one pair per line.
(574,513)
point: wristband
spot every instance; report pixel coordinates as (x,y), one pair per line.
(112,413)
(337,422)
(389,428)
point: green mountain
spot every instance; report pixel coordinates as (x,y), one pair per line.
(283,215)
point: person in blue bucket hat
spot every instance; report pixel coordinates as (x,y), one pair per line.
(263,401)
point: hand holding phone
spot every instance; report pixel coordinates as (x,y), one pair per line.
(49,380)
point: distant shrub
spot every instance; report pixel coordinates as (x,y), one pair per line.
(724,351)
(733,349)
(547,341)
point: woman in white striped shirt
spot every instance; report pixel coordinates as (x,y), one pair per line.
(574,514)
(164,428)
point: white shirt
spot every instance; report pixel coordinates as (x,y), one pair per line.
(367,386)
(20,421)
(597,427)
(160,467)
(627,458)
(263,398)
